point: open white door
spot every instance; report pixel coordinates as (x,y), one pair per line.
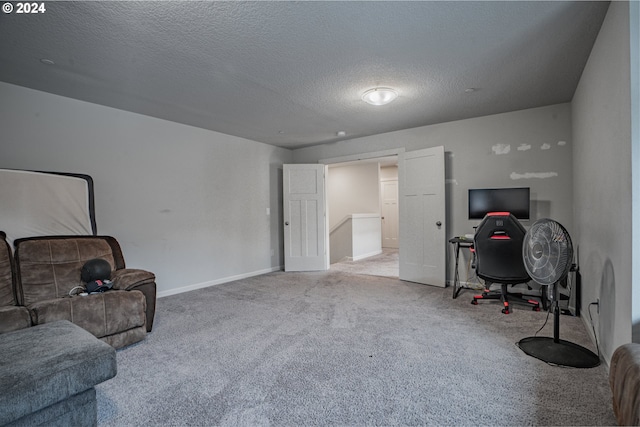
(305,219)
(422,214)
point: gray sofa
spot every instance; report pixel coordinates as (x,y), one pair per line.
(48,375)
(36,280)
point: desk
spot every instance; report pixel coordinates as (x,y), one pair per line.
(459,242)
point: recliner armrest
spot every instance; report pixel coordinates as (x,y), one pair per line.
(127,279)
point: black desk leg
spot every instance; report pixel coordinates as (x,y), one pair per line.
(456,276)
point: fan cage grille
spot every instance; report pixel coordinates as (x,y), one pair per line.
(547,252)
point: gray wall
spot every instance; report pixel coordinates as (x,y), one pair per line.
(352,189)
(528,148)
(634,24)
(186,203)
(602,179)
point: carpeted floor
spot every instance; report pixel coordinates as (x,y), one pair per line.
(385,264)
(336,348)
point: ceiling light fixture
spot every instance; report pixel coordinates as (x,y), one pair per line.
(379,96)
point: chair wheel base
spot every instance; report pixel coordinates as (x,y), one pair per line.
(474,302)
(506,311)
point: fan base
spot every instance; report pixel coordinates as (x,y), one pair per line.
(560,352)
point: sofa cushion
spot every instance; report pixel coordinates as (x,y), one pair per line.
(7,296)
(102,314)
(13,318)
(50,268)
(79,410)
(46,364)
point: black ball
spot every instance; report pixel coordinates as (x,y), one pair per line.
(96,269)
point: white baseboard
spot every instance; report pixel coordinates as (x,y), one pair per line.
(220,281)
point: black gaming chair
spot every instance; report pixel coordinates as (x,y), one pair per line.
(498,251)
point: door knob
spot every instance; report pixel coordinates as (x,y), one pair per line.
(286,223)
(438,223)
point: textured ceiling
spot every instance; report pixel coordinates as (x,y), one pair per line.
(292,73)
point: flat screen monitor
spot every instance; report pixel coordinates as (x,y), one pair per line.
(484,200)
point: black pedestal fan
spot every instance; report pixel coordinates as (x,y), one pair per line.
(548,254)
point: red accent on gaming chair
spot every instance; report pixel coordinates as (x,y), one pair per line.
(498,250)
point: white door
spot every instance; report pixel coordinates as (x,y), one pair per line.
(305,219)
(422,214)
(389,192)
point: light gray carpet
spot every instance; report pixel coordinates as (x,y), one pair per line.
(385,264)
(333,348)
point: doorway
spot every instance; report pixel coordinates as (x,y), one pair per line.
(422,239)
(362,200)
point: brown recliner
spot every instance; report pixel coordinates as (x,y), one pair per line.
(49,268)
(12,316)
